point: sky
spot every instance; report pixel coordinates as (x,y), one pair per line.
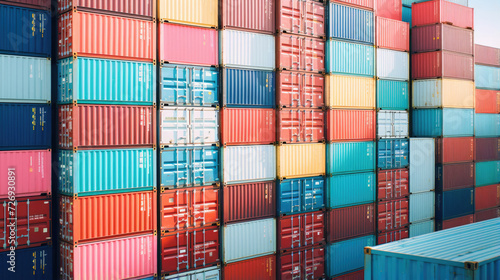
(486,22)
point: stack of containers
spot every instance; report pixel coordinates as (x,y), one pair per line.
(248,135)
(25,141)
(300,64)
(392,41)
(351,133)
(188,135)
(443,102)
(487,132)
(106,106)
(406,11)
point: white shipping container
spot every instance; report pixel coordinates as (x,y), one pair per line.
(248,163)
(422,164)
(393,65)
(422,206)
(189,126)
(392,124)
(247,50)
(420,228)
(443,93)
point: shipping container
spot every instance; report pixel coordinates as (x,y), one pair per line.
(393,65)
(487,149)
(393,95)
(25,31)
(97,35)
(391,236)
(188,208)
(300,125)
(442,64)
(392,184)
(188,126)
(455,149)
(346,256)
(350,222)
(454,176)
(183,167)
(487,197)
(300,195)
(191,249)
(28,172)
(487,77)
(346,125)
(454,204)
(25,126)
(456,222)
(24,79)
(460,2)
(209,273)
(248,163)
(443,122)
(32,263)
(350,92)
(442,37)
(350,189)
(300,230)
(305,263)
(487,101)
(192,12)
(351,24)
(422,206)
(485,55)
(350,157)
(296,90)
(484,215)
(125,8)
(248,201)
(248,126)
(392,153)
(251,15)
(365,4)
(388,9)
(421,228)
(300,160)
(242,241)
(392,214)
(422,162)
(393,124)
(248,88)
(299,53)
(262,268)
(305,18)
(487,173)
(129,257)
(93,172)
(406,17)
(35,4)
(487,125)
(392,34)
(441,11)
(350,58)
(443,93)
(241,49)
(356,275)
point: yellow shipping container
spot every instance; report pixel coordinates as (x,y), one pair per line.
(301,160)
(443,93)
(350,92)
(192,12)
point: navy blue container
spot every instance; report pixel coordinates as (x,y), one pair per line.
(349,23)
(454,204)
(24,126)
(24,31)
(248,88)
(31,263)
(301,195)
(392,153)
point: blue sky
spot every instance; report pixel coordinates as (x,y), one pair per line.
(486,22)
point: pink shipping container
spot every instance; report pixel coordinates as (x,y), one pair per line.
(103,36)
(106,126)
(441,11)
(392,34)
(365,4)
(442,64)
(392,9)
(301,125)
(249,201)
(35,4)
(248,126)
(301,230)
(111,260)
(31,173)
(487,101)
(188,45)
(306,18)
(444,37)
(125,8)
(300,90)
(487,56)
(350,222)
(392,214)
(486,214)
(250,15)
(347,125)
(298,53)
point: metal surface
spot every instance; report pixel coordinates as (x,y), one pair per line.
(188,126)
(210,273)
(33,263)
(442,37)
(443,122)
(306,18)
(487,197)
(299,53)
(456,222)
(252,15)
(393,95)
(392,153)
(263,268)
(248,88)
(487,101)
(454,204)
(454,176)
(388,9)
(487,173)
(296,89)
(248,201)
(392,184)
(36,4)
(443,93)
(487,125)
(300,160)
(248,126)
(346,125)
(350,189)
(421,228)
(366,4)
(392,236)
(441,11)
(246,50)
(347,255)
(422,206)
(305,263)
(248,163)
(356,275)
(454,149)
(191,12)
(350,58)
(134,8)
(349,23)
(393,65)
(484,215)
(442,64)
(349,92)
(422,165)
(487,77)
(350,222)
(392,214)
(392,34)
(350,157)
(406,17)
(301,125)
(487,149)
(486,55)
(300,230)
(300,195)
(393,124)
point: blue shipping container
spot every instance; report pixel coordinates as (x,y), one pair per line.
(346,256)
(487,173)
(350,157)
(350,189)
(189,166)
(393,95)
(349,23)
(31,263)
(350,58)
(443,122)
(25,126)
(392,153)
(248,88)
(454,204)
(25,31)
(487,125)
(487,77)
(301,195)
(406,14)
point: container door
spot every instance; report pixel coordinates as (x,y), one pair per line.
(174,85)
(392,184)
(204,207)
(290,232)
(312,87)
(174,210)
(392,214)
(175,252)
(291,16)
(204,126)
(289,123)
(204,86)
(290,57)
(313,55)
(312,125)
(290,192)
(174,126)
(314,18)
(313,228)
(204,249)
(312,193)
(175,168)
(314,263)
(204,166)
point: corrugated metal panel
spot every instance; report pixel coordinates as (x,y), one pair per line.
(301,195)
(393,95)
(350,189)
(193,12)
(484,215)
(487,77)
(262,268)
(454,176)
(392,153)
(248,126)
(487,125)
(349,23)
(350,92)
(350,58)
(246,50)
(348,125)
(356,275)
(485,55)
(487,173)
(249,201)
(393,65)
(301,125)
(255,15)
(392,214)
(366,4)
(454,204)
(454,149)
(422,162)
(487,197)
(442,37)
(304,263)
(301,160)
(349,222)
(444,64)
(487,101)
(346,255)
(350,157)
(421,206)
(460,2)
(36,4)
(189,126)
(406,17)
(487,149)
(392,184)
(24,79)
(392,34)
(129,8)
(296,89)
(301,230)
(442,11)
(33,263)
(248,88)
(301,17)
(299,53)
(248,163)
(392,124)
(443,122)
(249,240)
(388,9)
(443,93)
(456,222)
(421,228)
(392,236)
(210,273)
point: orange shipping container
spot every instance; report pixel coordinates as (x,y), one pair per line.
(487,101)
(301,125)
(348,125)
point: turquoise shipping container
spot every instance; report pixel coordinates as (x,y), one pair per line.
(407,14)
(346,256)
(104,81)
(393,95)
(487,77)
(350,189)
(300,195)
(487,125)
(421,228)
(94,172)
(443,122)
(407,3)
(393,153)
(487,173)
(350,58)
(350,157)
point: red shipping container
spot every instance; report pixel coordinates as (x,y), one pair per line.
(250,15)
(189,250)
(365,4)
(106,126)
(302,17)
(392,236)
(442,64)
(392,214)
(487,56)
(454,176)
(191,45)
(357,275)
(247,126)
(487,149)
(392,9)
(249,201)
(302,264)
(488,214)
(25,221)
(347,125)
(487,197)
(444,37)
(298,53)
(392,184)
(487,101)
(456,222)
(350,222)
(297,90)
(103,36)
(124,8)
(301,230)
(189,208)
(441,11)
(392,34)
(453,150)
(34,4)
(262,268)
(301,125)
